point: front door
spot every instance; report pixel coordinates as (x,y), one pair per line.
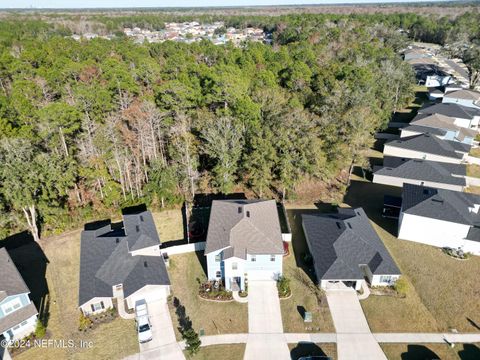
(236,283)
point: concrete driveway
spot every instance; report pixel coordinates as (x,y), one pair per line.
(354,339)
(265,338)
(164,344)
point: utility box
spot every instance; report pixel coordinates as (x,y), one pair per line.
(307,317)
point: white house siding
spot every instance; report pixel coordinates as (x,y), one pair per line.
(263,268)
(411,154)
(407,133)
(149,293)
(213,266)
(379,280)
(231,273)
(464,102)
(396,181)
(20,331)
(465,123)
(87,308)
(437,80)
(436,232)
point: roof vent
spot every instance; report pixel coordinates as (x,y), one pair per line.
(137,228)
(117,240)
(349,225)
(145,264)
(440,201)
(239,209)
(248,214)
(141,218)
(338,225)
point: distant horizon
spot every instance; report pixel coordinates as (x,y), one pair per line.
(186,4)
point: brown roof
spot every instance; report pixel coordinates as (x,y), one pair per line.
(463,94)
(247,226)
(11,282)
(439,121)
(17,317)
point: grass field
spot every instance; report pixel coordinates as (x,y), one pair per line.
(475,152)
(53,277)
(431,351)
(306,349)
(213,317)
(169,225)
(473,170)
(444,292)
(224,352)
(305,294)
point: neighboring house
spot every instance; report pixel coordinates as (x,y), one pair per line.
(467,98)
(442,126)
(428,73)
(465,117)
(121,261)
(18,315)
(441,218)
(346,249)
(414,54)
(399,171)
(244,242)
(427,147)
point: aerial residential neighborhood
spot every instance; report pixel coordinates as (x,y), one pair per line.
(239,181)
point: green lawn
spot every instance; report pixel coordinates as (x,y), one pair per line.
(169,225)
(306,349)
(475,152)
(53,278)
(443,292)
(431,351)
(224,352)
(214,317)
(305,294)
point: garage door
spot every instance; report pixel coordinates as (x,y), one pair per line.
(149,294)
(261,275)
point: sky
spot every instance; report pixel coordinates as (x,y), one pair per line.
(167,3)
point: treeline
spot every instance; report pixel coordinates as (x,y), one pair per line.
(91,126)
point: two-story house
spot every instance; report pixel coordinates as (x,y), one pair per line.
(467,117)
(244,242)
(18,315)
(121,261)
(463,97)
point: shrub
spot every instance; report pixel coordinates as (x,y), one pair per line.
(192,341)
(40,330)
(401,286)
(84,322)
(283,286)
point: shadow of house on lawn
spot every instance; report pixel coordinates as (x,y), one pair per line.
(369,196)
(31,263)
(469,352)
(418,352)
(306,349)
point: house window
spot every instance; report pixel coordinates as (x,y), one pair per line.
(272,257)
(385,279)
(218,274)
(11,306)
(218,258)
(24,323)
(253,258)
(98,306)
(234,266)
(16,327)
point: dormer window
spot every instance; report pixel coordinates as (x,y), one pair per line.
(253,258)
(218,258)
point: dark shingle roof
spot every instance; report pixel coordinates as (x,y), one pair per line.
(248,226)
(105,260)
(441,204)
(452,110)
(431,145)
(424,170)
(424,130)
(11,282)
(341,242)
(140,230)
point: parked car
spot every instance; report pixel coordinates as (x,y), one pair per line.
(142,319)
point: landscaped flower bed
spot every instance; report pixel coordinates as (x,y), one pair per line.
(90,322)
(283,287)
(214,291)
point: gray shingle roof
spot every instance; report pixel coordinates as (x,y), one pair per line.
(249,226)
(11,282)
(439,121)
(428,144)
(452,110)
(339,243)
(424,130)
(441,204)
(463,94)
(17,317)
(424,170)
(105,259)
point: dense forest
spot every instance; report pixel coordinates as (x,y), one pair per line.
(89,127)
